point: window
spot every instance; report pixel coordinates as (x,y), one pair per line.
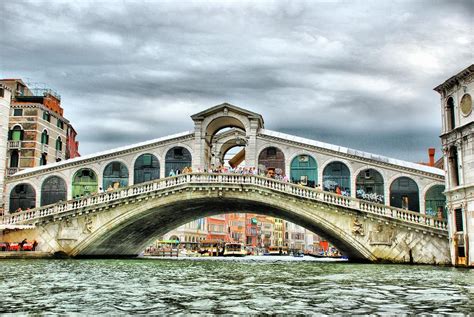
(2,92)
(60,124)
(17,112)
(44,137)
(461,252)
(271,151)
(14,158)
(46,116)
(43,160)
(450,124)
(59,144)
(458,220)
(178,152)
(453,166)
(16,134)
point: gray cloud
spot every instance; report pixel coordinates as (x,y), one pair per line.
(358,74)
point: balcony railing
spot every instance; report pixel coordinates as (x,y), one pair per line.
(14,144)
(12,170)
(44,148)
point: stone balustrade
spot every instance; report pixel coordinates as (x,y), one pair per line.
(222,181)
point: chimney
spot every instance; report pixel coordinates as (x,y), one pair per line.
(431,153)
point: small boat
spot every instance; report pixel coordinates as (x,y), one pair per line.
(274,250)
(234,249)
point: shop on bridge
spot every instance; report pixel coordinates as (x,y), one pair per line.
(53,190)
(115,176)
(84,183)
(304,170)
(404,194)
(337,177)
(177,159)
(22,197)
(273,159)
(370,186)
(435,202)
(146,168)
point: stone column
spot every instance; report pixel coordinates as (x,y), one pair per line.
(251,158)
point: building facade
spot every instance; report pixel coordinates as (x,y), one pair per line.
(5,99)
(457,139)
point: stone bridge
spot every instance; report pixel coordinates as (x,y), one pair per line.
(123,222)
(388,209)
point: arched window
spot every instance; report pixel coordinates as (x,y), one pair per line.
(369,186)
(304,170)
(404,194)
(43,160)
(44,137)
(450,117)
(53,190)
(14,159)
(435,202)
(84,183)
(337,174)
(59,144)
(16,134)
(453,166)
(22,197)
(271,159)
(146,168)
(177,159)
(115,176)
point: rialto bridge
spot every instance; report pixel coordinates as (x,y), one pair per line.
(115,202)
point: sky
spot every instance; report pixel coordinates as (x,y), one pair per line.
(358,74)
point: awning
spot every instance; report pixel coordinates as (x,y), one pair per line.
(13,227)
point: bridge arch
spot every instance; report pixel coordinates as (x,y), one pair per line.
(146,167)
(84,182)
(158,216)
(22,196)
(405,193)
(115,174)
(53,190)
(271,157)
(337,173)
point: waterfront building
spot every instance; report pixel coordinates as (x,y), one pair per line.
(266,237)
(279,232)
(251,230)
(236,225)
(458,148)
(190,233)
(38,132)
(217,228)
(294,236)
(5,99)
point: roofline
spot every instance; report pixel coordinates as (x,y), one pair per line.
(349,151)
(450,82)
(199,115)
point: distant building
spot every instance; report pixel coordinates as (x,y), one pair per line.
(294,236)
(279,233)
(38,132)
(5,99)
(458,147)
(217,229)
(236,225)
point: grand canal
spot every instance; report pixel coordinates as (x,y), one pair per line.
(231,286)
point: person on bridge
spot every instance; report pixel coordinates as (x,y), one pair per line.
(171,174)
(338,190)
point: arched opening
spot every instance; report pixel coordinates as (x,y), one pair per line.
(115,176)
(337,178)
(234,156)
(453,166)
(146,168)
(59,144)
(304,170)
(44,137)
(222,124)
(22,197)
(16,134)
(84,183)
(369,186)
(404,194)
(53,190)
(176,160)
(450,116)
(271,162)
(14,159)
(435,202)
(43,159)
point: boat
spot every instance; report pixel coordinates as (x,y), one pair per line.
(234,249)
(274,250)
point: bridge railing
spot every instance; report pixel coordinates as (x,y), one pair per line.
(223,179)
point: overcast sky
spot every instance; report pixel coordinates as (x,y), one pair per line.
(354,73)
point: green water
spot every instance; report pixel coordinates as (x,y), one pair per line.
(249,285)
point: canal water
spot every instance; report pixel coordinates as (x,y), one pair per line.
(233,286)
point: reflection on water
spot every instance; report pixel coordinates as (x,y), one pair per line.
(245,285)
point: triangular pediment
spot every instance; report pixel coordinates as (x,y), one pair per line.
(226,107)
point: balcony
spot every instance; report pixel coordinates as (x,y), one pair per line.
(14,144)
(44,148)
(12,170)
(59,154)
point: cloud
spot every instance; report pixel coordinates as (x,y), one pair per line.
(358,74)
